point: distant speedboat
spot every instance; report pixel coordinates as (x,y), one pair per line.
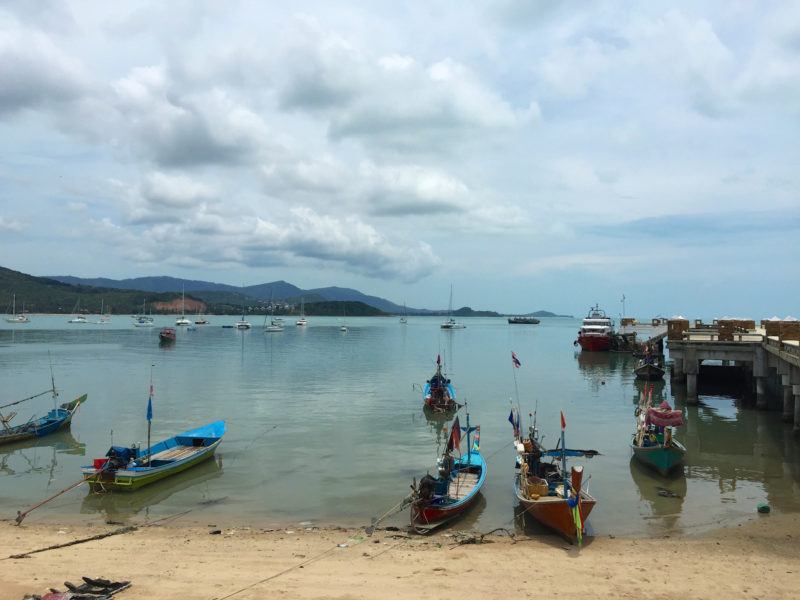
(78,319)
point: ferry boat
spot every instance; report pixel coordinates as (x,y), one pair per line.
(596,331)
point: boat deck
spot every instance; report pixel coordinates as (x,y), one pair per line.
(177,453)
(462,485)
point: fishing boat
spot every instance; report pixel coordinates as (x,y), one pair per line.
(438,394)
(58,418)
(17,318)
(302,321)
(596,331)
(653,443)
(167,334)
(440,499)
(523,321)
(546,490)
(130,468)
(183,320)
(200,320)
(649,367)
(451,323)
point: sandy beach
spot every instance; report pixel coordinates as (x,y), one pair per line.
(757,559)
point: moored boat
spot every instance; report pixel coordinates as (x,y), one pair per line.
(653,443)
(596,331)
(523,321)
(167,334)
(438,500)
(553,496)
(56,419)
(130,468)
(17,318)
(648,369)
(438,394)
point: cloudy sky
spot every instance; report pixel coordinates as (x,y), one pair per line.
(533,154)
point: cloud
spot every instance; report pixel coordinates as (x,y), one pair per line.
(34,73)
(176,191)
(9,224)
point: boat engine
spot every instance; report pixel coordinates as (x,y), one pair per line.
(427,486)
(445,465)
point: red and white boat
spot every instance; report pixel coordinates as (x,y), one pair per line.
(596,331)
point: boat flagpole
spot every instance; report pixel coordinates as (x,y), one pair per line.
(149,413)
(564,454)
(516,364)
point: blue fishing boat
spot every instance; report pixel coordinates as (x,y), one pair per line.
(438,393)
(438,500)
(56,419)
(130,468)
(653,443)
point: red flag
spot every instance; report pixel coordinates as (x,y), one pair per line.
(515,360)
(563,421)
(152,391)
(455,436)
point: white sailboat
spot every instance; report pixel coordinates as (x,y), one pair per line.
(183,320)
(302,321)
(17,318)
(404,318)
(241,323)
(77,319)
(275,325)
(451,323)
(143,320)
(344,319)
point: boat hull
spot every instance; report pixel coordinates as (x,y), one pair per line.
(649,372)
(554,513)
(663,459)
(595,343)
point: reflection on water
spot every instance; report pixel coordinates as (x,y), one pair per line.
(326,427)
(125,505)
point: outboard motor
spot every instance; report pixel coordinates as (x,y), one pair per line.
(445,464)
(427,487)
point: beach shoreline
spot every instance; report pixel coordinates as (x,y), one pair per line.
(169,559)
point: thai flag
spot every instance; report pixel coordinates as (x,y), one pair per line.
(455,436)
(513,418)
(515,360)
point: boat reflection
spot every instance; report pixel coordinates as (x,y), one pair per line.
(663,495)
(597,367)
(39,455)
(122,506)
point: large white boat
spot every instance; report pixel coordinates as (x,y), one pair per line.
(596,331)
(302,321)
(183,320)
(77,318)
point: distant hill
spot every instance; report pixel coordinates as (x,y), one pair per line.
(546,313)
(44,295)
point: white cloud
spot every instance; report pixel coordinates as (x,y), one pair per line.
(9,224)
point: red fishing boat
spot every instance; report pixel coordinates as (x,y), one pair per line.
(596,331)
(549,493)
(438,500)
(167,334)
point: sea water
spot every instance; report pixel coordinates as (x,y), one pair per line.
(327,427)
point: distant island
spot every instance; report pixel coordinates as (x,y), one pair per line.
(542,313)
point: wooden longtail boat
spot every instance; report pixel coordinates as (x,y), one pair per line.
(130,468)
(653,443)
(438,394)
(58,418)
(545,491)
(648,369)
(438,500)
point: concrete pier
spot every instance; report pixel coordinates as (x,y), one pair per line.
(771,363)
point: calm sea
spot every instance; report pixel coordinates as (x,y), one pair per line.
(326,427)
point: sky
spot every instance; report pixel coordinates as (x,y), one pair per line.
(535,155)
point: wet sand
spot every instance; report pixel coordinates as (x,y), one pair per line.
(758,559)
